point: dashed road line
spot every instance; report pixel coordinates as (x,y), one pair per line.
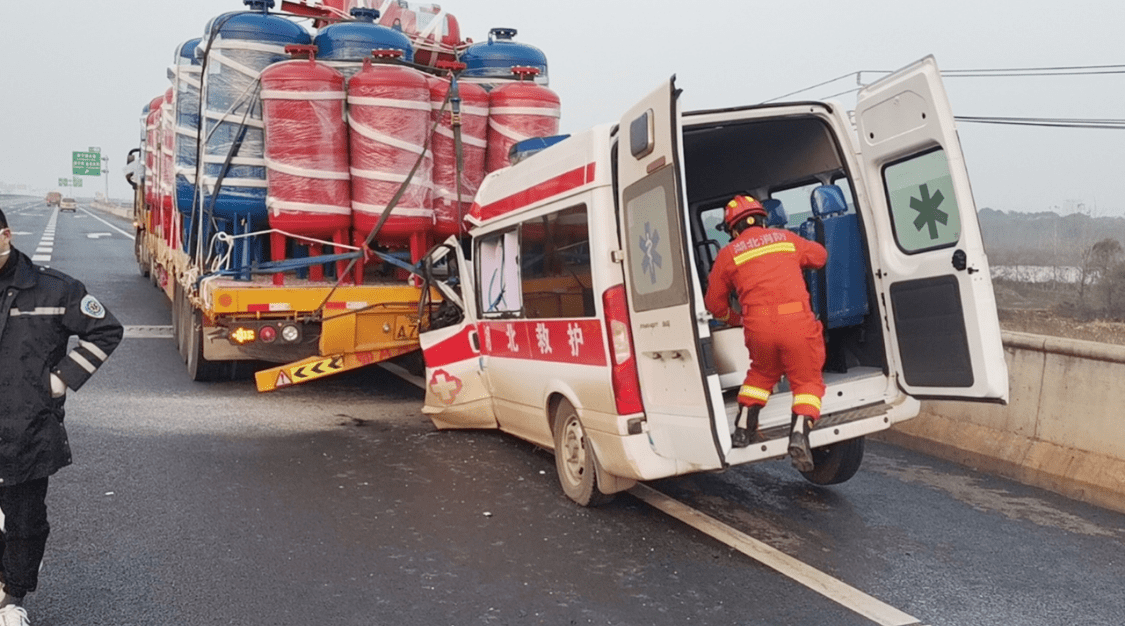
(47,243)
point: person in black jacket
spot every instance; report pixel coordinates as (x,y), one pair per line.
(40,309)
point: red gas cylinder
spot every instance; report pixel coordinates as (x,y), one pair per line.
(389,118)
(306,151)
(519,111)
(473,109)
(152,154)
(166,175)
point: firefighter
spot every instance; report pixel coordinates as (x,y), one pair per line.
(763,267)
(40,309)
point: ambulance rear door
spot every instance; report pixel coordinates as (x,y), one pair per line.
(937,295)
(457,389)
(679,384)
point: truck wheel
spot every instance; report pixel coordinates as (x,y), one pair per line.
(199,368)
(574,458)
(141,253)
(178,319)
(836,463)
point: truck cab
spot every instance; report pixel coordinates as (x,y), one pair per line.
(573,316)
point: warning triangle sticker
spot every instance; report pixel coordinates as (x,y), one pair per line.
(283,379)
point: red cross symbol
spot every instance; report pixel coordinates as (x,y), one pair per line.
(445,386)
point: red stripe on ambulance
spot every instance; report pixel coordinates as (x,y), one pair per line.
(562,183)
(576,341)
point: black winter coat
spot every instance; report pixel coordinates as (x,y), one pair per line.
(39,311)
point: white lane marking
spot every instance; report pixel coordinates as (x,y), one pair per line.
(816,580)
(836,590)
(123,232)
(47,241)
(402,373)
(148,332)
(98,235)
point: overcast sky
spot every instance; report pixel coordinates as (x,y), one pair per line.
(76,73)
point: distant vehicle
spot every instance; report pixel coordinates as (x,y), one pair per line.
(68,204)
(53,198)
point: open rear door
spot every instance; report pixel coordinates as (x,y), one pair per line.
(679,385)
(457,390)
(939,301)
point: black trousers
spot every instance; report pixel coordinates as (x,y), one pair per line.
(25,535)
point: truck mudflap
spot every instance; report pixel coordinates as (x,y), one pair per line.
(318,366)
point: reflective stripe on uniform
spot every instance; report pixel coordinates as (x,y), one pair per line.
(40,310)
(807,398)
(82,362)
(756,393)
(93,349)
(784,246)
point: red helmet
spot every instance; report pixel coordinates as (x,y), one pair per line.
(741,207)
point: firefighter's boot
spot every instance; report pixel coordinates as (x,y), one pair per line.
(745,425)
(799,452)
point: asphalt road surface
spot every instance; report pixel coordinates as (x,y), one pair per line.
(338,503)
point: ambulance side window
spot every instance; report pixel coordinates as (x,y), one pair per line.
(498,273)
(555,265)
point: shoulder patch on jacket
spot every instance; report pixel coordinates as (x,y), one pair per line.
(92,308)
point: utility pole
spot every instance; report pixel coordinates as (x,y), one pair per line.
(105,170)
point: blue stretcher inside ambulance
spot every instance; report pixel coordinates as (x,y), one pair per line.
(572,315)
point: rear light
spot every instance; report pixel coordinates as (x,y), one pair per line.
(290,333)
(626,383)
(242,335)
(268,334)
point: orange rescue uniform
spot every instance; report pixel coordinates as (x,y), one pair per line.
(763,266)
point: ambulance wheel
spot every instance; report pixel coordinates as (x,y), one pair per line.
(199,368)
(574,458)
(836,463)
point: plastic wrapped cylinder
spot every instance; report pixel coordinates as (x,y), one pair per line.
(306,148)
(434,33)
(449,210)
(152,152)
(186,82)
(490,63)
(167,161)
(237,47)
(517,112)
(388,119)
(344,45)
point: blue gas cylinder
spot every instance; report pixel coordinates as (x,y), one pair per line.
(491,62)
(345,45)
(186,74)
(235,49)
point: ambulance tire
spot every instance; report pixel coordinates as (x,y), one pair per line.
(836,463)
(574,458)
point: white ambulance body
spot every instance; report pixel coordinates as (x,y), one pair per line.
(578,323)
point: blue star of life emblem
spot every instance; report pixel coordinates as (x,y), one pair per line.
(652,259)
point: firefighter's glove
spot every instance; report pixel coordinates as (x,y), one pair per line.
(58,387)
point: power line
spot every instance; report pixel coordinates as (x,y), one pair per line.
(1101,124)
(1007,72)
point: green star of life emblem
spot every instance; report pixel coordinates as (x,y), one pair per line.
(927,208)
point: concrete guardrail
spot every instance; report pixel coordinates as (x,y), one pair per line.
(1063,429)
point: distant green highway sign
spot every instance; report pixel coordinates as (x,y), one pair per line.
(87,164)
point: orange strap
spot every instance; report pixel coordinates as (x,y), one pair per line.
(779,309)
